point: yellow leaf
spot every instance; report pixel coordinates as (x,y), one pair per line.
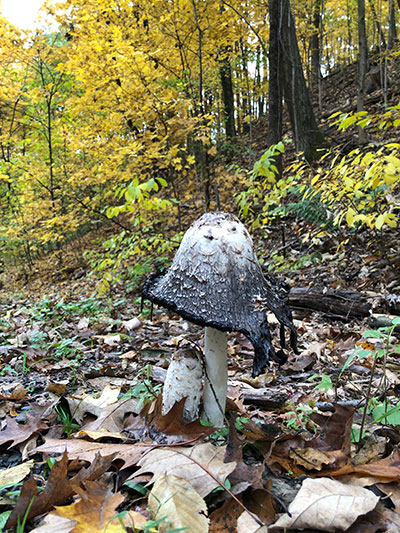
(350,216)
(380,221)
(15,474)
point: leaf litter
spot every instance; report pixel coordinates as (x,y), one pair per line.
(99,441)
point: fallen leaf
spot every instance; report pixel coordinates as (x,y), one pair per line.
(87,451)
(57,491)
(373,450)
(260,503)
(224,519)
(335,430)
(326,504)
(109,414)
(13,391)
(11,476)
(247,524)
(310,458)
(17,433)
(185,463)
(58,388)
(244,475)
(393,491)
(176,499)
(166,429)
(52,523)
(385,469)
(96,510)
(99,434)
(83,324)
(108,396)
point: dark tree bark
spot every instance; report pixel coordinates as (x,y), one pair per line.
(315,45)
(392,33)
(382,40)
(275,78)
(362,62)
(225,73)
(260,97)
(307,137)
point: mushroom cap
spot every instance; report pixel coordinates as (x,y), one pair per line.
(216,280)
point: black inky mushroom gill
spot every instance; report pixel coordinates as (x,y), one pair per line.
(216,281)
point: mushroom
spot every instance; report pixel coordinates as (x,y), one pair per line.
(216,281)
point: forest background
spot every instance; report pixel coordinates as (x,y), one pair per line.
(138,116)
(119,125)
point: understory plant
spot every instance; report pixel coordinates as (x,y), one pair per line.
(347,190)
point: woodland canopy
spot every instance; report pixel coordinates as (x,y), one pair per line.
(138,114)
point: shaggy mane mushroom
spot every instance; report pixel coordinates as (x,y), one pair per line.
(216,281)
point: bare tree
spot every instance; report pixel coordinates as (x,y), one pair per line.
(362,63)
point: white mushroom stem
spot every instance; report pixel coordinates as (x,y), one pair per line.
(216,380)
(183,380)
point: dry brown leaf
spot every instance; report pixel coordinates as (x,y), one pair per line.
(93,404)
(224,519)
(372,450)
(326,504)
(185,463)
(132,324)
(58,388)
(261,503)
(96,510)
(109,340)
(87,451)
(385,469)
(176,499)
(166,429)
(310,458)
(336,430)
(393,491)
(57,491)
(109,414)
(17,433)
(244,475)
(13,391)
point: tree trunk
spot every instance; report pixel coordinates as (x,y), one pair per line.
(225,73)
(275,77)
(382,40)
(392,33)
(315,45)
(260,98)
(307,137)
(362,63)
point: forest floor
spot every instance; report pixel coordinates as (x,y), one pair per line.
(312,445)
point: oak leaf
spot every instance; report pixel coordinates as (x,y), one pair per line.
(327,505)
(166,429)
(175,498)
(57,491)
(96,510)
(87,451)
(197,464)
(107,412)
(17,433)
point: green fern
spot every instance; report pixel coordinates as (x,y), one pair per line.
(312,210)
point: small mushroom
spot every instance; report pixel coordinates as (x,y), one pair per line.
(216,281)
